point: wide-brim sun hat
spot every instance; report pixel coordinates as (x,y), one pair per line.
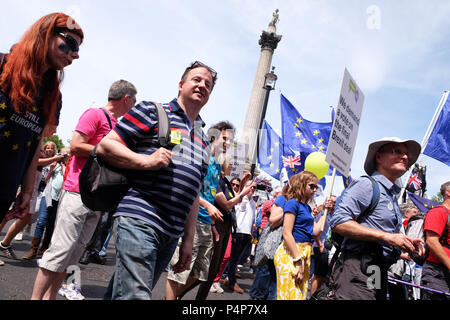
(413,147)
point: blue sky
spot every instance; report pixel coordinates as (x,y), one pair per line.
(397,51)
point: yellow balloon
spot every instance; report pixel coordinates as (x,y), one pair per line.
(316,164)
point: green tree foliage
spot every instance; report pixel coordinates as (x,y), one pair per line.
(438,198)
(56,140)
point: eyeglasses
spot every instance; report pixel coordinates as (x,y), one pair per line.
(397,152)
(313,186)
(70,43)
(235,185)
(198,64)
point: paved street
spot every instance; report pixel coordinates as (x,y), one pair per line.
(17,277)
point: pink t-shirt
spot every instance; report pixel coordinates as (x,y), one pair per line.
(94,124)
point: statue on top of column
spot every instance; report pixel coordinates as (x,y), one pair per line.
(276,18)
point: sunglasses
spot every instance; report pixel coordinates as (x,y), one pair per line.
(313,186)
(70,43)
(397,152)
(235,185)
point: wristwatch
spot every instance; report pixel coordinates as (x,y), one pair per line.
(241,196)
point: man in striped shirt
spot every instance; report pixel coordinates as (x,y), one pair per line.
(163,201)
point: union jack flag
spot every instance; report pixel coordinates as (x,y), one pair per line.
(292,161)
(415,182)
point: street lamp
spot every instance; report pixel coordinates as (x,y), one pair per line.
(269,85)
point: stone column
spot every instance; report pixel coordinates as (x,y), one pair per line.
(269,41)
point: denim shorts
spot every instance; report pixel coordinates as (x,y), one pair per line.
(142,254)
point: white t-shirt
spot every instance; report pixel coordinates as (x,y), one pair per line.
(245,216)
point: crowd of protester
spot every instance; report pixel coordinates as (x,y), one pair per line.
(181,212)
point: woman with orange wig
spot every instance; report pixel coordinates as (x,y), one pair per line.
(30,103)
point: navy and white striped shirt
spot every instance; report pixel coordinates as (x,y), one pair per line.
(164,198)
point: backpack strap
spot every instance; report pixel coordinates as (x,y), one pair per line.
(365,213)
(375,199)
(107,117)
(163,125)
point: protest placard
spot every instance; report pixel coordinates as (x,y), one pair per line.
(346,125)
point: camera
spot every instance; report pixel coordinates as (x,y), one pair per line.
(63,159)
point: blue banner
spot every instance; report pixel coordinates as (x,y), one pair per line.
(438,146)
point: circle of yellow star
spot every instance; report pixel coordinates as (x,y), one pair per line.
(3,106)
(15,147)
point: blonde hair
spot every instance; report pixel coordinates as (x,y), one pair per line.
(297,186)
(224,160)
(51,143)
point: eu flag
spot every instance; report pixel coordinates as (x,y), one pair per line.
(270,152)
(438,146)
(300,134)
(271,157)
(423,204)
(347,180)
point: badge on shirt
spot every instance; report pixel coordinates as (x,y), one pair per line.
(231,195)
(390,206)
(175,136)
(213,191)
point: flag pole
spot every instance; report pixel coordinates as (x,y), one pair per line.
(425,139)
(330,192)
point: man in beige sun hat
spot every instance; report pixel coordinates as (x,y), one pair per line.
(373,241)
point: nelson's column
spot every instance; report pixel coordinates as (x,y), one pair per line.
(269,41)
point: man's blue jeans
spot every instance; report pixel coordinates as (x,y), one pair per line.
(264,285)
(142,254)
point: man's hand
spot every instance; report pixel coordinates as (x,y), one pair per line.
(216,235)
(401,241)
(214,213)
(161,158)
(185,256)
(419,246)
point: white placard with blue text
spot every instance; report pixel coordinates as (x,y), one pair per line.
(346,125)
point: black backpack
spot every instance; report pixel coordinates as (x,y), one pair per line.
(103,186)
